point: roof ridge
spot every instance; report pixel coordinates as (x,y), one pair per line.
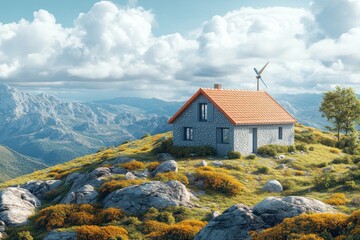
(231,89)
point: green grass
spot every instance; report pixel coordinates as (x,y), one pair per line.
(298,177)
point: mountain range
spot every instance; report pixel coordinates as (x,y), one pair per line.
(47,128)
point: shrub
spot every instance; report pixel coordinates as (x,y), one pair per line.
(96,233)
(335,150)
(133,165)
(109,215)
(321,165)
(153,165)
(356,159)
(24,235)
(169,176)
(205,168)
(320,223)
(350,185)
(220,181)
(163,216)
(111,186)
(251,156)
(180,213)
(267,150)
(325,180)
(330,142)
(291,149)
(263,170)
(342,160)
(337,199)
(146,135)
(81,218)
(306,137)
(185,230)
(301,147)
(179,152)
(154,226)
(288,184)
(311,149)
(234,155)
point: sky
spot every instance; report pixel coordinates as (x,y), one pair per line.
(90,50)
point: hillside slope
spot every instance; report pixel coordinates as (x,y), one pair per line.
(314,170)
(14,164)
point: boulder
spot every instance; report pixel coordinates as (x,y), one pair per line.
(72,177)
(203,163)
(130,176)
(100,172)
(16,205)
(165,157)
(168,166)
(2,226)
(236,222)
(217,163)
(57,235)
(118,170)
(84,195)
(191,177)
(274,209)
(272,186)
(138,199)
(214,214)
(233,224)
(39,188)
(280,166)
(328,169)
(142,174)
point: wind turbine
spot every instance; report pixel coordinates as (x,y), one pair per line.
(258,76)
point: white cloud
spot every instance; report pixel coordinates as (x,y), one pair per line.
(112,47)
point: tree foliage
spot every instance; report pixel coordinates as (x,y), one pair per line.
(341,107)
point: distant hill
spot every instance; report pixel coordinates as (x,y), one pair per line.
(14,164)
(55,131)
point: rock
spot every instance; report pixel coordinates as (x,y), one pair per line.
(272,186)
(16,205)
(138,199)
(142,174)
(274,209)
(200,184)
(130,176)
(165,157)
(100,172)
(72,177)
(2,226)
(86,194)
(191,177)
(214,214)
(217,163)
(328,169)
(168,166)
(236,222)
(282,156)
(233,224)
(119,160)
(57,235)
(280,166)
(118,170)
(39,188)
(203,163)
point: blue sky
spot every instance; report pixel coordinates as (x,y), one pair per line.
(88,50)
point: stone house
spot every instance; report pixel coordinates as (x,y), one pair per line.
(232,120)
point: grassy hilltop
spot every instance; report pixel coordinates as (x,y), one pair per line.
(314,170)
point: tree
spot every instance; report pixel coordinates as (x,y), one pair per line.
(341,107)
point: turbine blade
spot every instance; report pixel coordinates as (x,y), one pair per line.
(261,70)
(257,72)
(263,82)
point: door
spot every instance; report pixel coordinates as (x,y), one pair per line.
(253,140)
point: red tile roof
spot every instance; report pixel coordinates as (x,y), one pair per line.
(243,107)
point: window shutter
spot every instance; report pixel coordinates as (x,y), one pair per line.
(218,135)
(210,110)
(196,111)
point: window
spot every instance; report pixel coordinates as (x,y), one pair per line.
(188,133)
(280,133)
(223,135)
(203,112)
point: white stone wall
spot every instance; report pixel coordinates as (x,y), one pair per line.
(266,134)
(204,132)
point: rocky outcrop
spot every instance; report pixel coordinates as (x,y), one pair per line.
(2,230)
(16,205)
(168,166)
(272,186)
(78,180)
(236,222)
(274,209)
(203,163)
(39,188)
(85,194)
(138,199)
(56,235)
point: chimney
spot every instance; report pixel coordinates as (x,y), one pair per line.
(217,86)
